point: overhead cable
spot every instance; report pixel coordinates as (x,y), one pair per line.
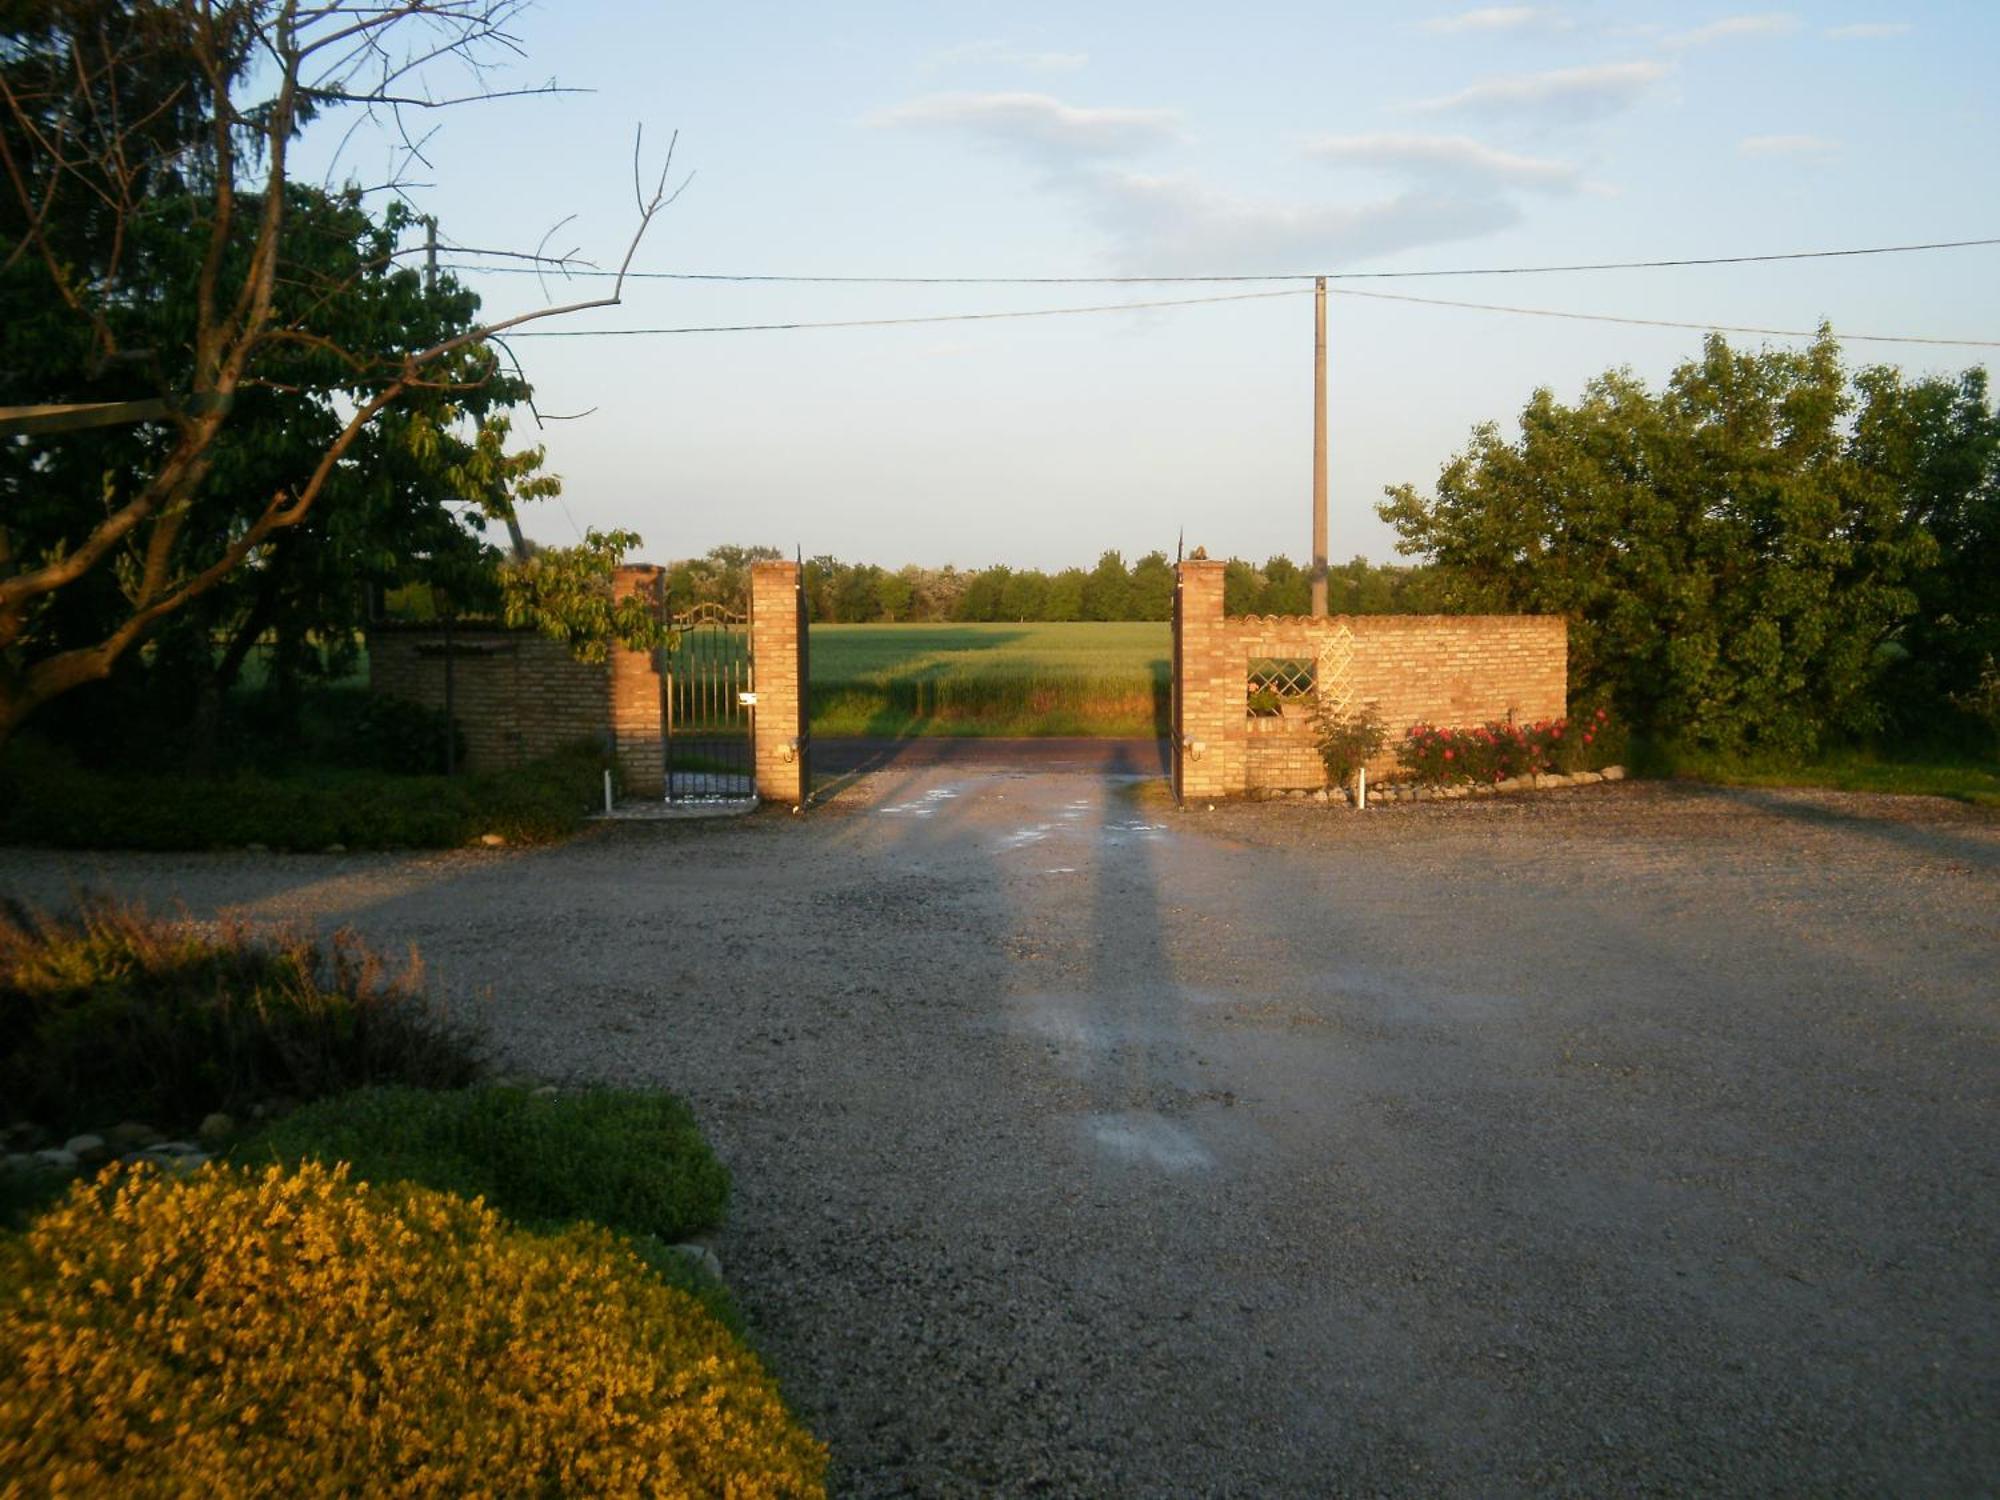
(1542,270)
(1118,307)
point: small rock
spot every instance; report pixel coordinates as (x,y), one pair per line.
(16,1161)
(1320,795)
(256,848)
(168,1149)
(130,1135)
(1614,773)
(88,1149)
(57,1159)
(1507,784)
(547,1091)
(1585,778)
(492,840)
(335,849)
(702,1256)
(216,1128)
(178,1162)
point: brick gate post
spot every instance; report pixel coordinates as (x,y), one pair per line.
(1209,685)
(779,721)
(638,737)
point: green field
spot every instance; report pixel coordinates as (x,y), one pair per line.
(1112,679)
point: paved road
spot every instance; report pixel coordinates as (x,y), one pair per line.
(1623,1139)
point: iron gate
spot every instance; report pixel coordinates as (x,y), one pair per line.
(707,688)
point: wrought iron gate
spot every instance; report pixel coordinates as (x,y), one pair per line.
(707,688)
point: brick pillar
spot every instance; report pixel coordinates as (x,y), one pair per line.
(778,723)
(1209,677)
(637,735)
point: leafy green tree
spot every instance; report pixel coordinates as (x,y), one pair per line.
(1025,596)
(566,594)
(1728,560)
(1064,600)
(1107,592)
(250,350)
(1152,588)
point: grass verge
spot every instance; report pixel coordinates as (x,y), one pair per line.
(47,799)
(1962,778)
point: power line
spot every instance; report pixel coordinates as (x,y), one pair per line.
(1118,307)
(1543,270)
(1786,333)
(978,317)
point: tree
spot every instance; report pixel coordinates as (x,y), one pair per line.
(1727,556)
(566,594)
(1107,592)
(1152,588)
(141,136)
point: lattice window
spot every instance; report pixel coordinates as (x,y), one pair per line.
(1275,681)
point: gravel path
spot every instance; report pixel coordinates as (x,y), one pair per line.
(1622,1139)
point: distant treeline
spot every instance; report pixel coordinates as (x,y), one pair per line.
(864,593)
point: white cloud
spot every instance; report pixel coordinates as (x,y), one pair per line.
(1177,225)
(1572,93)
(1453,157)
(1803,147)
(1003,55)
(1870,31)
(1039,124)
(1498,18)
(1735,28)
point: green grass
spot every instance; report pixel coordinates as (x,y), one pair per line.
(1962,778)
(46,798)
(890,681)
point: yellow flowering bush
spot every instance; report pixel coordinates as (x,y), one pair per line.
(297,1333)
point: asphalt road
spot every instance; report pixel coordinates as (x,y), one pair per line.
(1623,1139)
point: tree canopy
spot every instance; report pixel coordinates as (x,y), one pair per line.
(1750,557)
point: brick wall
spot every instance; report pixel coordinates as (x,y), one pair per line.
(1438,669)
(517,696)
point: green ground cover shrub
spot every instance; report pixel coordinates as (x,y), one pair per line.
(299,1333)
(1345,741)
(113,1015)
(1095,678)
(47,798)
(633,1161)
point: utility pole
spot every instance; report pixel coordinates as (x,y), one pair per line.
(1319,449)
(431,253)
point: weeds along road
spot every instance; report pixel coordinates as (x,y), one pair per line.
(1620,1139)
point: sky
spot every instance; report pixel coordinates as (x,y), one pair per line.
(963,138)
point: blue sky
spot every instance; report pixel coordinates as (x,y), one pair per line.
(962,138)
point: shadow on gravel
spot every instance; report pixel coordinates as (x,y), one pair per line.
(1920,838)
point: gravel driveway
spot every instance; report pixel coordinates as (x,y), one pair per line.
(1625,1138)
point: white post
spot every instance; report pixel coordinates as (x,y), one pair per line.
(1361,789)
(607,789)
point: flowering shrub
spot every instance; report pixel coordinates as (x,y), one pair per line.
(298,1333)
(1498,751)
(1345,741)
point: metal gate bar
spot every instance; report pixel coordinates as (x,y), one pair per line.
(705,677)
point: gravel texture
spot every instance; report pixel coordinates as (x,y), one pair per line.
(1626,1138)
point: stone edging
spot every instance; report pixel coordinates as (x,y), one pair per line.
(1397,793)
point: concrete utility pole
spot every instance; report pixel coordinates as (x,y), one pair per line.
(431,252)
(1319,449)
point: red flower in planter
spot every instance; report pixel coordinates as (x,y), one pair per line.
(1447,755)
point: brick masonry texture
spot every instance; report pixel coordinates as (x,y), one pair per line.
(518,695)
(496,674)
(1437,669)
